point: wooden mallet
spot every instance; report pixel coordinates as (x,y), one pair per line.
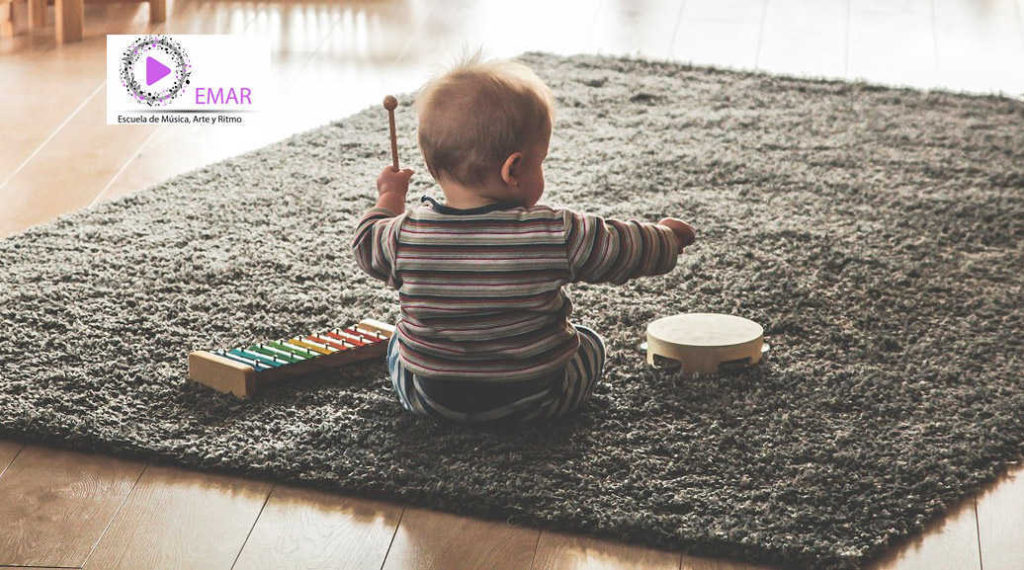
(390,103)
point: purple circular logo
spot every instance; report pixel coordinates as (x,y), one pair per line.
(155,70)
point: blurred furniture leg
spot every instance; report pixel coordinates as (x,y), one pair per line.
(157,11)
(36,13)
(6,19)
(69,17)
(69,24)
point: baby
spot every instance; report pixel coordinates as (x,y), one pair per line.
(484,333)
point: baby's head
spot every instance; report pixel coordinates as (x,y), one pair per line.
(484,129)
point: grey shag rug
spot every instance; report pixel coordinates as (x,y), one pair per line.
(876,233)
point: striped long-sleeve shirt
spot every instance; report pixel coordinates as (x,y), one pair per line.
(481,289)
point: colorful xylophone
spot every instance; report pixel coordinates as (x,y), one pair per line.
(244,370)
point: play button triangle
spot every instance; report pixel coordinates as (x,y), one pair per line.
(155,71)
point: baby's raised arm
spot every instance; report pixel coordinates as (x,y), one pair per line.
(375,238)
(612,251)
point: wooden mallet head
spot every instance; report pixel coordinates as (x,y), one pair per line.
(390,103)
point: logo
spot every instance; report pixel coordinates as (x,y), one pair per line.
(186,79)
(155,70)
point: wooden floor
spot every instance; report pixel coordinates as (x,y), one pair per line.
(64,509)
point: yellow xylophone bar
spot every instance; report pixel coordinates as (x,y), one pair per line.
(243,371)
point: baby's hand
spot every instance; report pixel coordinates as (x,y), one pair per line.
(392,186)
(391,181)
(684,231)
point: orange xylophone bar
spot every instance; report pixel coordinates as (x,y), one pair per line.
(243,371)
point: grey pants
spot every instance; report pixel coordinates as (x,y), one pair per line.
(522,402)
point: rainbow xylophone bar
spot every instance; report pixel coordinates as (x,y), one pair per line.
(244,370)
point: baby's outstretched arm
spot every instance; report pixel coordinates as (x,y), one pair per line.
(612,251)
(375,237)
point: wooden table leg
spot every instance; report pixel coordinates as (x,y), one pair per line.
(7,20)
(69,20)
(36,13)
(157,11)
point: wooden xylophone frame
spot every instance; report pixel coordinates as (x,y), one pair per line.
(232,376)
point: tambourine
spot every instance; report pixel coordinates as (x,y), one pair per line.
(704,343)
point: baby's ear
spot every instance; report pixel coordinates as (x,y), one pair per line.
(510,170)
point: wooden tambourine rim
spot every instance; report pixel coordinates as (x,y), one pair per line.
(706,358)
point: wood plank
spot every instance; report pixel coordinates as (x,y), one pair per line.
(701,563)
(1020,18)
(8,451)
(55,504)
(979,46)
(1001,522)
(892,42)
(642,28)
(181,519)
(297,30)
(948,543)
(445,30)
(71,169)
(560,551)
(301,528)
(805,38)
(433,540)
(720,33)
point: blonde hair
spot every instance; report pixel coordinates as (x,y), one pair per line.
(477,114)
